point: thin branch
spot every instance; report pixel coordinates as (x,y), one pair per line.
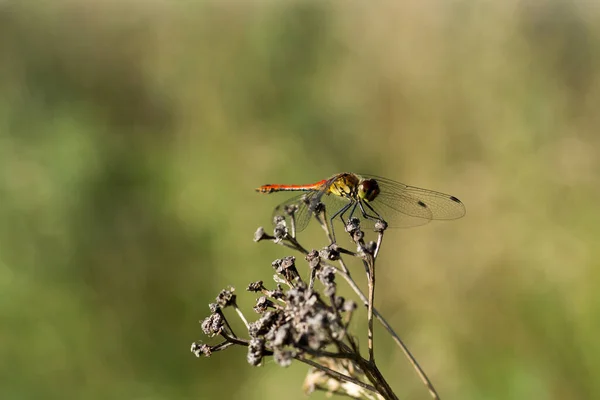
(241,315)
(370,263)
(335,374)
(234,339)
(379,240)
(420,372)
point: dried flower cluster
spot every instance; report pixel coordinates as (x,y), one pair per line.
(304,319)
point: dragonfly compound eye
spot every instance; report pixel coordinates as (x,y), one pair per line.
(368,189)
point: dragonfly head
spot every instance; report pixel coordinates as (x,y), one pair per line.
(368,189)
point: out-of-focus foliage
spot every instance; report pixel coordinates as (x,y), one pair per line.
(133,133)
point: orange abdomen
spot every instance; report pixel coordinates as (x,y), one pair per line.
(290,188)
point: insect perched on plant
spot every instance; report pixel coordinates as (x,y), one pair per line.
(369,198)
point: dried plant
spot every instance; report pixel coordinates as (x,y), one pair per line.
(304,319)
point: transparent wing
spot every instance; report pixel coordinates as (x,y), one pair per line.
(334,204)
(393,217)
(303,202)
(401,205)
(303,213)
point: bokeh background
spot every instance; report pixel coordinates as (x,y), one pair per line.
(132,135)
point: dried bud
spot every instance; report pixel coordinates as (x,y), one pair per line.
(260,234)
(212,324)
(353,225)
(380,226)
(318,330)
(280,231)
(288,262)
(297,295)
(201,349)
(290,209)
(357,235)
(313,259)
(349,306)
(255,286)
(263,324)
(283,357)
(256,349)
(286,267)
(371,247)
(330,253)
(327,275)
(330,289)
(262,304)
(226,298)
(315,205)
(277,294)
(282,336)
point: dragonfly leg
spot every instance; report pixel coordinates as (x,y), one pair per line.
(377,217)
(351,213)
(341,213)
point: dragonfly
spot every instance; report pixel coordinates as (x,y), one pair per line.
(369,198)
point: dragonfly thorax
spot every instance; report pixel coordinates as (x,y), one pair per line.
(354,188)
(368,189)
(345,185)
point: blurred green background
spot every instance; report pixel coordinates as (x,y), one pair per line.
(132,135)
